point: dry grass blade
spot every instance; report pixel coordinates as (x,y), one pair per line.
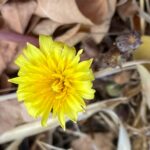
(14,145)
(8,97)
(125,66)
(124,142)
(148,5)
(123,136)
(27,130)
(145,81)
(142,21)
(35,127)
(48,146)
(141,11)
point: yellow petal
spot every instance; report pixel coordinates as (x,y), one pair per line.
(61,119)
(45,44)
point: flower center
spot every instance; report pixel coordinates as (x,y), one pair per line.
(60,84)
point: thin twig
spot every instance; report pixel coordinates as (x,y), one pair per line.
(125,66)
(14,145)
(34,128)
(148,5)
(142,20)
(8,97)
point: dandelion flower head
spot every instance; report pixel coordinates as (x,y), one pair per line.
(52,79)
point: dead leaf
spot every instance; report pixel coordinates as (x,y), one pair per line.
(104,141)
(124,142)
(98,142)
(96,15)
(145,81)
(98,32)
(7,52)
(98,11)
(4,81)
(33,23)
(17,15)
(10,115)
(2,2)
(90,48)
(12,68)
(121,2)
(80,36)
(83,143)
(123,138)
(127,10)
(122,78)
(68,35)
(61,11)
(46,27)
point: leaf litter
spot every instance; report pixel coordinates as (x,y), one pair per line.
(118,116)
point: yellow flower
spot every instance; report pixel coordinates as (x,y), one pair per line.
(52,79)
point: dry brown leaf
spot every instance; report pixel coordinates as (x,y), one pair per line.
(95,14)
(34,128)
(121,2)
(98,11)
(2,2)
(62,11)
(122,78)
(104,141)
(76,38)
(33,22)
(145,81)
(124,142)
(11,115)
(128,9)
(123,138)
(84,143)
(90,48)
(12,67)
(98,142)
(46,27)
(7,52)
(4,81)
(99,31)
(68,35)
(17,15)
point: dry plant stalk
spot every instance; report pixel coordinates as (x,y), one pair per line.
(33,128)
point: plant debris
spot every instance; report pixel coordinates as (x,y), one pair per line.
(116,34)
